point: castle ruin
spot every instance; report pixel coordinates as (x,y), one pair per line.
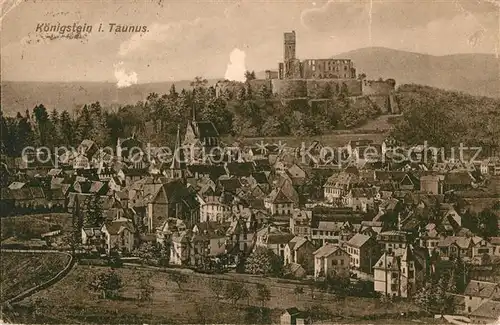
(316,80)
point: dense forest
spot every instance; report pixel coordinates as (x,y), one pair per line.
(242,113)
(447,118)
(442,118)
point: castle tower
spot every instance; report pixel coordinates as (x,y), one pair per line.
(177,169)
(291,65)
(289,43)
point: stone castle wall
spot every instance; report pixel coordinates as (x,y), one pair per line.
(289,88)
(378,87)
(381,93)
(319,88)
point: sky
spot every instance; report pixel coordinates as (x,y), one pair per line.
(213,39)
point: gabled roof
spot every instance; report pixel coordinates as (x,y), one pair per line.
(204,129)
(458,178)
(482,289)
(240,169)
(277,196)
(327,250)
(488,309)
(358,240)
(297,242)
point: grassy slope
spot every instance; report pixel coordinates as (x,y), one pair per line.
(33,225)
(22,271)
(70,300)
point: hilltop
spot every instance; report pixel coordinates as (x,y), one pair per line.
(18,96)
(476,74)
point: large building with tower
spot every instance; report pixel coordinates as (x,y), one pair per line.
(318,81)
(293,68)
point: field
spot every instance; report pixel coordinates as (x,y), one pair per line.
(32,226)
(71,301)
(22,271)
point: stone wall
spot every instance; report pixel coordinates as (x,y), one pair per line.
(289,88)
(378,87)
(318,88)
(257,85)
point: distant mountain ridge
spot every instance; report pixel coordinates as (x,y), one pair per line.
(477,74)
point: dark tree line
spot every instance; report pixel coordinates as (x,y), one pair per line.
(240,111)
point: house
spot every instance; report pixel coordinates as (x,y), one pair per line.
(333,225)
(429,238)
(458,181)
(119,234)
(482,247)
(214,205)
(241,235)
(490,166)
(299,250)
(398,275)
(330,260)
(188,248)
(278,203)
(486,313)
(274,239)
(393,241)
(214,234)
(93,237)
(300,222)
(478,292)
(202,134)
(364,251)
(361,198)
(338,185)
(455,246)
(171,200)
(293,316)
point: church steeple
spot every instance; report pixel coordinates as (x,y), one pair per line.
(194,112)
(177,168)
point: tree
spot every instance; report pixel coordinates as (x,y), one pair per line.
(434,298)
(42,122)
(107,283)
(66,127)
(178,278)
(249,76)
(263,293)
(145,288)
(487,224)
(217,287)
(235,291)
(83,127)
(94,215)
(264,261)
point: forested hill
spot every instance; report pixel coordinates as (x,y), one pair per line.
(18,96)
(447,118)
(476,74)
(442,118)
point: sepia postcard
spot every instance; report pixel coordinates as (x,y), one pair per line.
(250,162)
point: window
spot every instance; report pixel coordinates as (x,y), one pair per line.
(410,274)
(341,262)
(334,262)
